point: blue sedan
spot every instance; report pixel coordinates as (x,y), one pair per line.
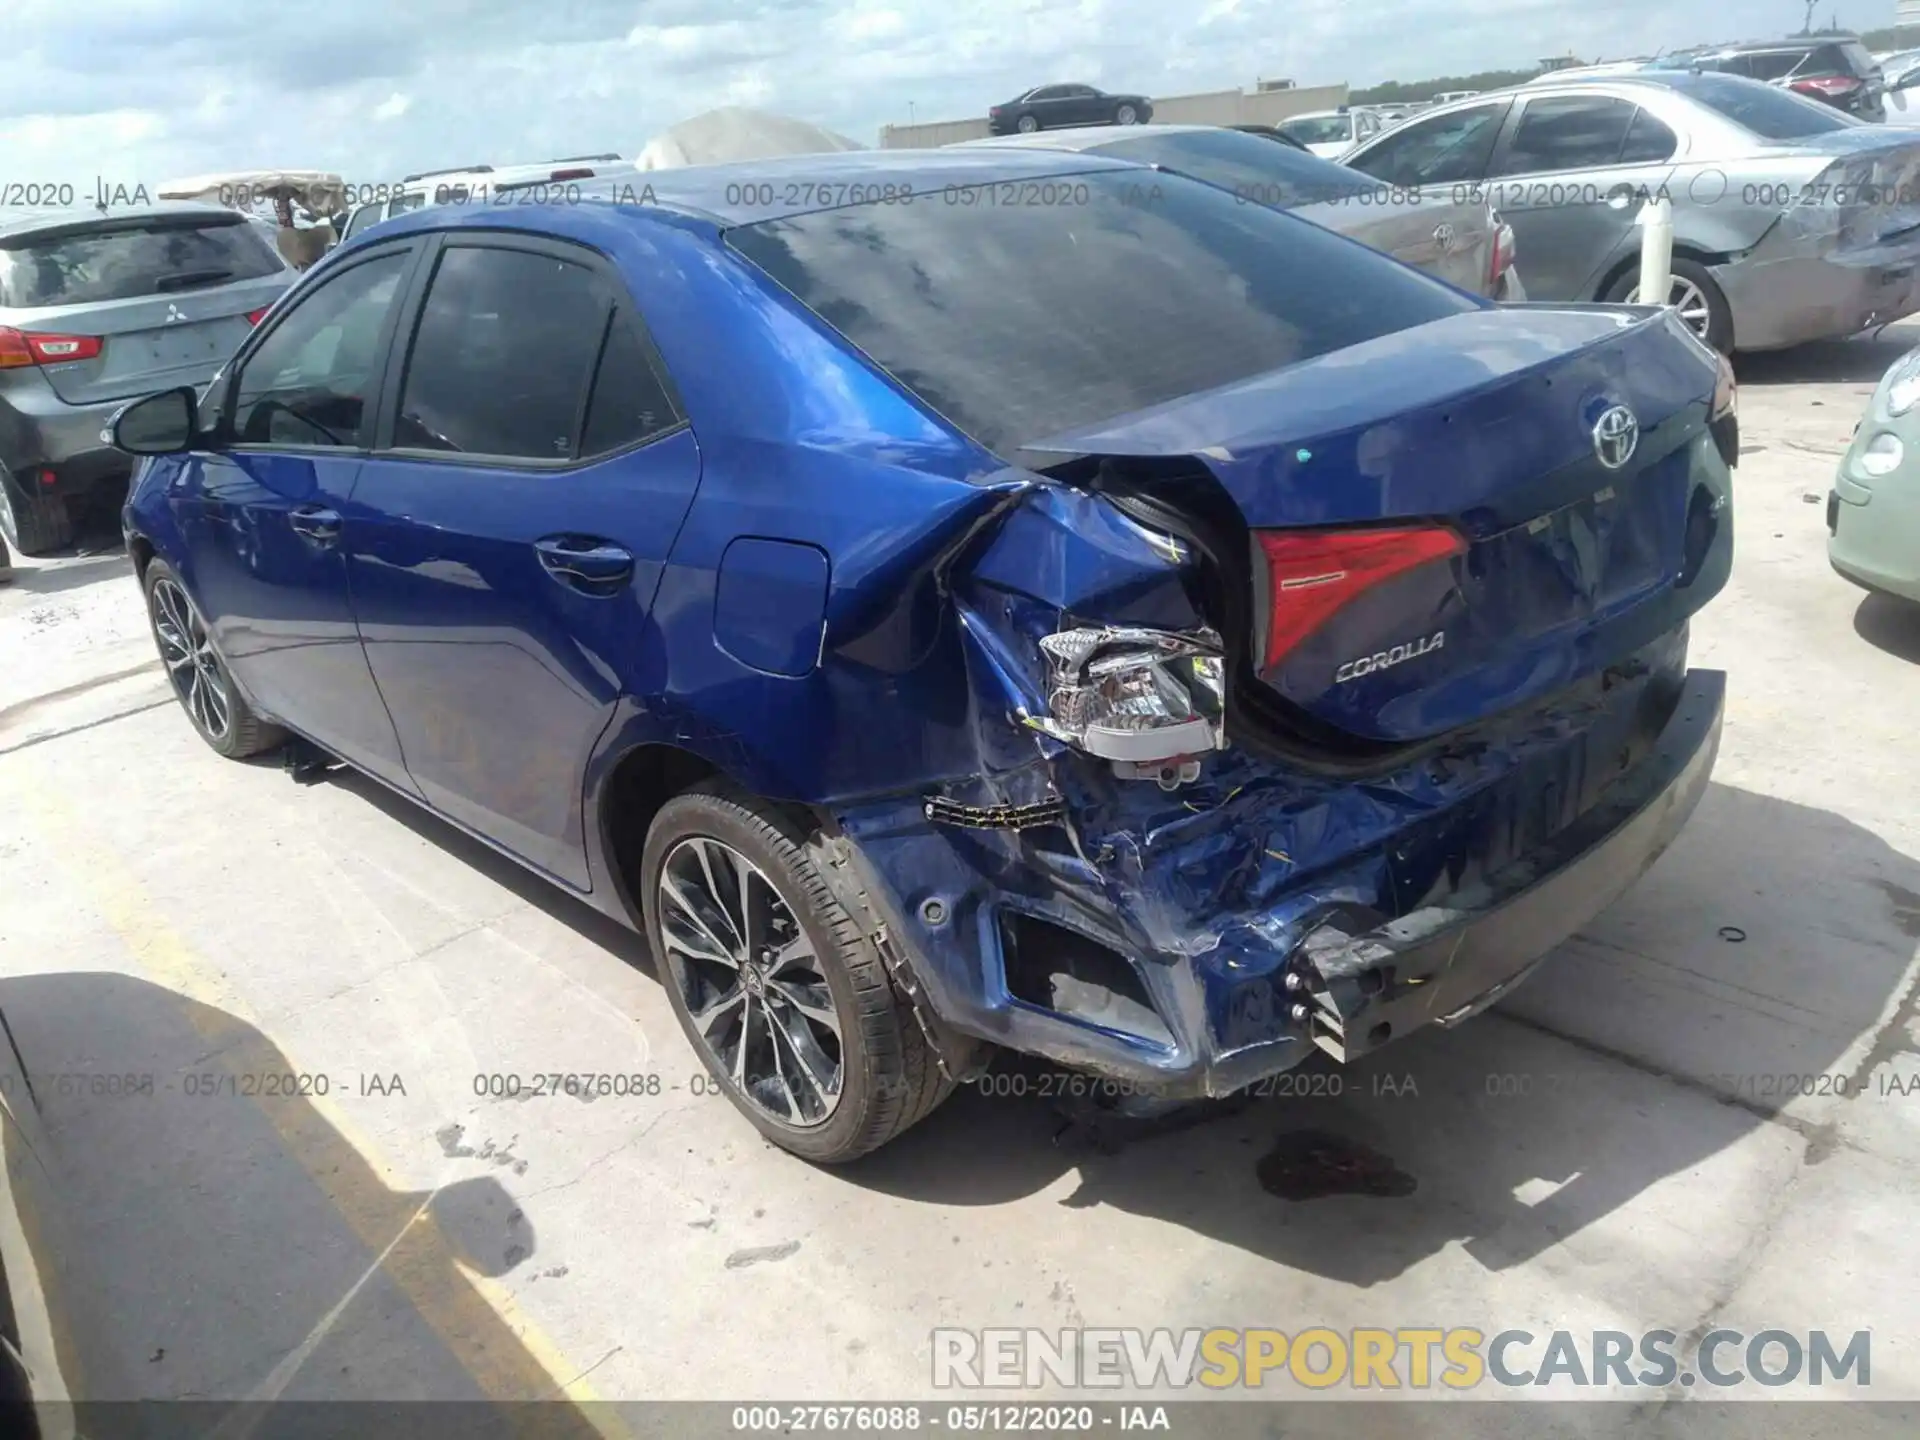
(968,599)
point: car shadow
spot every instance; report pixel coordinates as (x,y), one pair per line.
(210,1236)
(1637,1052)
(1863,359)
(43,579)
(1891,624)
(1525,1126)
(525,885)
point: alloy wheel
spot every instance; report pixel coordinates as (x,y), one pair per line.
(751,982)
(1686,297)
(191,663)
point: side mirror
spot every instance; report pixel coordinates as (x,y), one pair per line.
(162,424)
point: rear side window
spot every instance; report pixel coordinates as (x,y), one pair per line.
(1454,146)
(1766,110)
(630,399)
(1772,64)
(500,361)
(1018,321)
(123,259)
(1253,168)
(1575,132)
(1648,140)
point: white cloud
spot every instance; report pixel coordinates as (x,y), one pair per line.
(145,89)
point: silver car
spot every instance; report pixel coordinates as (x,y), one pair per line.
(96,309)
(1463,244)
(1792,221)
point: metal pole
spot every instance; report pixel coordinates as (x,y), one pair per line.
(1656,251)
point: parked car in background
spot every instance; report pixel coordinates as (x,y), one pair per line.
(1047,106)
(1836,70)
(1331,133)
(98,307)
(1272,132)
(1136,635)
(479,184)
(1447,97)
(1902,100)
(1464,244)
(298,205)
(1792,221)
(1873,511)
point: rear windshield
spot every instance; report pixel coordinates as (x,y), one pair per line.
(124,259)
(1043,305)
(1769,112)
(1249,166)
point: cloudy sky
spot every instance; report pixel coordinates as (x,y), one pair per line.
(153,89)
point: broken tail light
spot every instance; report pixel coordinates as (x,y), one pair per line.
(19,348)
(1313,574)
(1148,701)
(254,317)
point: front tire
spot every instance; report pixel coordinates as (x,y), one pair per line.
(34,524)
(1126,115)
(1695,293)
(783,997)
(1027,125)
(201,683)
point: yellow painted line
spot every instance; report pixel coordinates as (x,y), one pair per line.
(466,1309)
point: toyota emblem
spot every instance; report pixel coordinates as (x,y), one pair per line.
(1615,434)
(1443,233)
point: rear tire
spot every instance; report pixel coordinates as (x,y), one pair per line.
(218,712)
(33,524)
(707,848)
(1718,329)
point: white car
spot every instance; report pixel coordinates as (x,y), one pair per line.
(476,186)
(1331,133)
(1902,99)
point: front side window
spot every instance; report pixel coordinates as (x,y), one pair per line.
(1454,146)
(311,382)
(502,355)
(1019,322)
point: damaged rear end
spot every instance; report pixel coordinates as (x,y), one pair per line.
(1321,690)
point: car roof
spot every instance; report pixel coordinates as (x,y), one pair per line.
(1076,139)
(1316,115)
(18,223)
(748,192)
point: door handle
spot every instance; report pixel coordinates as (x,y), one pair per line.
(594,567)
(316,523)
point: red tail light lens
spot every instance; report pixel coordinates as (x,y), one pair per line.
(254,317)
(1825,86)
(1312,574)
(31,347)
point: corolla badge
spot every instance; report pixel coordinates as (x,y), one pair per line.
(1387,659)
(1615,435)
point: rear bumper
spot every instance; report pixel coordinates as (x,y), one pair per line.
(1246,969)
(39,432)
(1782,299)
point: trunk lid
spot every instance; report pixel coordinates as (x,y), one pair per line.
(167,296)
(1484,424)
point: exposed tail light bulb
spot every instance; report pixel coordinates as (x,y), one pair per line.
(1150,702)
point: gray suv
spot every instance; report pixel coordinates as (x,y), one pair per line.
(96,309)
